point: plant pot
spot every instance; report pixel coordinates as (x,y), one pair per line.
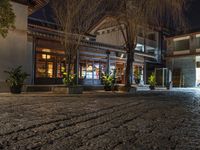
(63,89)
(107,88)
(16,89)
(152,87)
(137,81)
(75,90)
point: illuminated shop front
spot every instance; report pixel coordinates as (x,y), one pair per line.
(93,61)
(49,62)
(48,65)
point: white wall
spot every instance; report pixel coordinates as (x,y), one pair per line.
(13,49)
(113,37)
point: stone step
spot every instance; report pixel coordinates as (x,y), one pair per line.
(49,88)
(38,88)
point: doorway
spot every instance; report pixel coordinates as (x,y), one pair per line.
(198,77)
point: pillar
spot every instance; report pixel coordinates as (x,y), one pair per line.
(108,62)
(92,72)
(77,66)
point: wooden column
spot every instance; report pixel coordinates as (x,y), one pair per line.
(108,62)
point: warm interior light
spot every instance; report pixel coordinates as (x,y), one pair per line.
(122,55)
(45,56)
(89,68)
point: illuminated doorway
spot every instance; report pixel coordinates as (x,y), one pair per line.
(198,74)
(198,71)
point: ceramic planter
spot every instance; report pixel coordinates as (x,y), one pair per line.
(16,89)
(75,90)
(137,81)
(67,90)
(152,87)
(107,88)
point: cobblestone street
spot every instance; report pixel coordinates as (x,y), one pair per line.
(110,121)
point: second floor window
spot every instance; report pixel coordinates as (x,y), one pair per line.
(198,42)
(152,36)
(182,45)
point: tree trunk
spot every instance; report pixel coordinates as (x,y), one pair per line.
(68,69)
(129,67)
(129,64)
(76,69)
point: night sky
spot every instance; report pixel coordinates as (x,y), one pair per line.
(193,15)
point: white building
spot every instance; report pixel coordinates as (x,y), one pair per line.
(183,58)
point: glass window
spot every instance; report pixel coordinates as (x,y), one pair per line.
(96,71)
(198,42)
(40,69)
(60,64)
(49,65)
(103,68)
(46,50)
(89,71)
(82,70)
(120,73)
(139,47)
(150,50)
(182,45)
(152,36)
(112,69)
(50,70)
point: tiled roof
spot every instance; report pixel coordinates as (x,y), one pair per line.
(36,5)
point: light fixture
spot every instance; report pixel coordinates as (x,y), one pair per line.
(45,56)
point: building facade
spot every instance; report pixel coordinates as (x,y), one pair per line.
(13,49)
(38,49)
(183,58)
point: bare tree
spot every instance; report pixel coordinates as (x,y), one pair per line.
(74,18)
(132,14)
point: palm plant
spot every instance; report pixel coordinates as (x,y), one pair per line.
(16,78)
(108,81)
(152,81)
(137,75)
(69,80)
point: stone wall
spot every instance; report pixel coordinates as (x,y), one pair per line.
(13,49)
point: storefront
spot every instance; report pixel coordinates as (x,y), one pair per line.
(49,62)
(92,63)
(49,58)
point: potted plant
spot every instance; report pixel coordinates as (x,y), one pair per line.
(152,81)
(70,83)
(16,79)
(137,76)
(108,81)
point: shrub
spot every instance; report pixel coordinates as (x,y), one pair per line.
(68,79)
(152,80)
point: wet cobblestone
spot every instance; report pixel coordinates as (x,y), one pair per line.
(110,121)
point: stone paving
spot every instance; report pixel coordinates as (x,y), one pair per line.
(101,121)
